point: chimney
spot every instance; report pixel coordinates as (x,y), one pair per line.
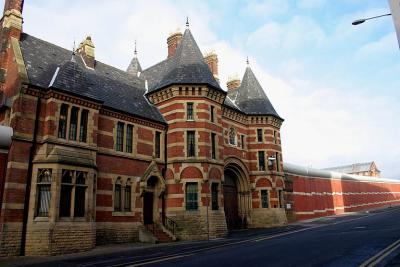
(211,59)
(86,50)
(233,82)
(173,41)
(12,18)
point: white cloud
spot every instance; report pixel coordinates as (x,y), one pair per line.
(265,8)
(310,4)
(323,126)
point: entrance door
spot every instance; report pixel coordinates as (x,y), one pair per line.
(231,203)
(148,207)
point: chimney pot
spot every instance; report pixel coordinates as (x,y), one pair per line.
(211,60)
(86,50)
(173,41)
(233,82)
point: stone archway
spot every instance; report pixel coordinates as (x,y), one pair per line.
(237,195)
(152,189)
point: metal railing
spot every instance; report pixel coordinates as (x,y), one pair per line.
(170,224)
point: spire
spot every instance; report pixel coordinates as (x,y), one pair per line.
(247,61)
(135,52)
(251,97)
(73,53)
(187,22)
(134,67)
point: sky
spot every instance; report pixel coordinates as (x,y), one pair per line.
(336,85)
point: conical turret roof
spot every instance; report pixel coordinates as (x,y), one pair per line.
(187,66)
(251,98)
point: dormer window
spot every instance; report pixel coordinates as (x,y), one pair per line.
(232,136)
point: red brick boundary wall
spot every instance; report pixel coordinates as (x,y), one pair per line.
(318,193)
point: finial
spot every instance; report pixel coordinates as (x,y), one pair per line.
(187,22)
(73,53)
(247,61)
(135,52)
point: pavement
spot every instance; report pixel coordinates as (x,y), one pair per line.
(371,238)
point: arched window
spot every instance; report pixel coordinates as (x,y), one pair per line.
(73,123)
(128,192)
(232,136)
(44,193)
(117,195)
(83,126)
(62,123)
(80,189)
(66,192)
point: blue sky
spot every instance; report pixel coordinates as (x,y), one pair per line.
(335,84)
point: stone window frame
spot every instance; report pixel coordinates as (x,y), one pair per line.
(218,185)
(212,113)
(55,188)
(124,181)
(268,190)
(40,184)
(74,185)
(198,186)
(260,135)
(232,136)
(187,144)
(67,132)
(192,110)
(124,145)
(214,145)
(258,160)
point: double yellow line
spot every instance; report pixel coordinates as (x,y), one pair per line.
(377,258)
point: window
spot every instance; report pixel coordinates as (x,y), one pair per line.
(44,193)
(73,124)
(157,145)
(80,189)
(189,111)
(73,181)
(277,161)
(259,135)
(191,196)
(261,161)
(117,195)
(83,126)
(242,141)
(212,114)
(275,138)
(129,138)
(191,144)
(66,192)
(128,191)
(214,196)
(232,136)
(280,198)
(264,199)
(62,123)
(120,136)
(213,146)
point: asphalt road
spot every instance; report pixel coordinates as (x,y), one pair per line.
(339,241)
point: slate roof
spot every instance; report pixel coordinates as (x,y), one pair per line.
(134,67)
(117,89)
(187,66)
(352,168)
(250,97)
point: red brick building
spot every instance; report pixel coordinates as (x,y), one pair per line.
(102,155)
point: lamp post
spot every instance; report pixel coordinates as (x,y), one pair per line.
(359,21)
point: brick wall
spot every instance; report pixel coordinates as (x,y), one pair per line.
(318,195)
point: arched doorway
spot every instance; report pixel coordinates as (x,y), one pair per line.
(237,196)
(150,201)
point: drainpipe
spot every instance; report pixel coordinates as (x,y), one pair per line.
(29,176)
(164,172)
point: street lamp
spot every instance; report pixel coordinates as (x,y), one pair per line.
(359,21)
